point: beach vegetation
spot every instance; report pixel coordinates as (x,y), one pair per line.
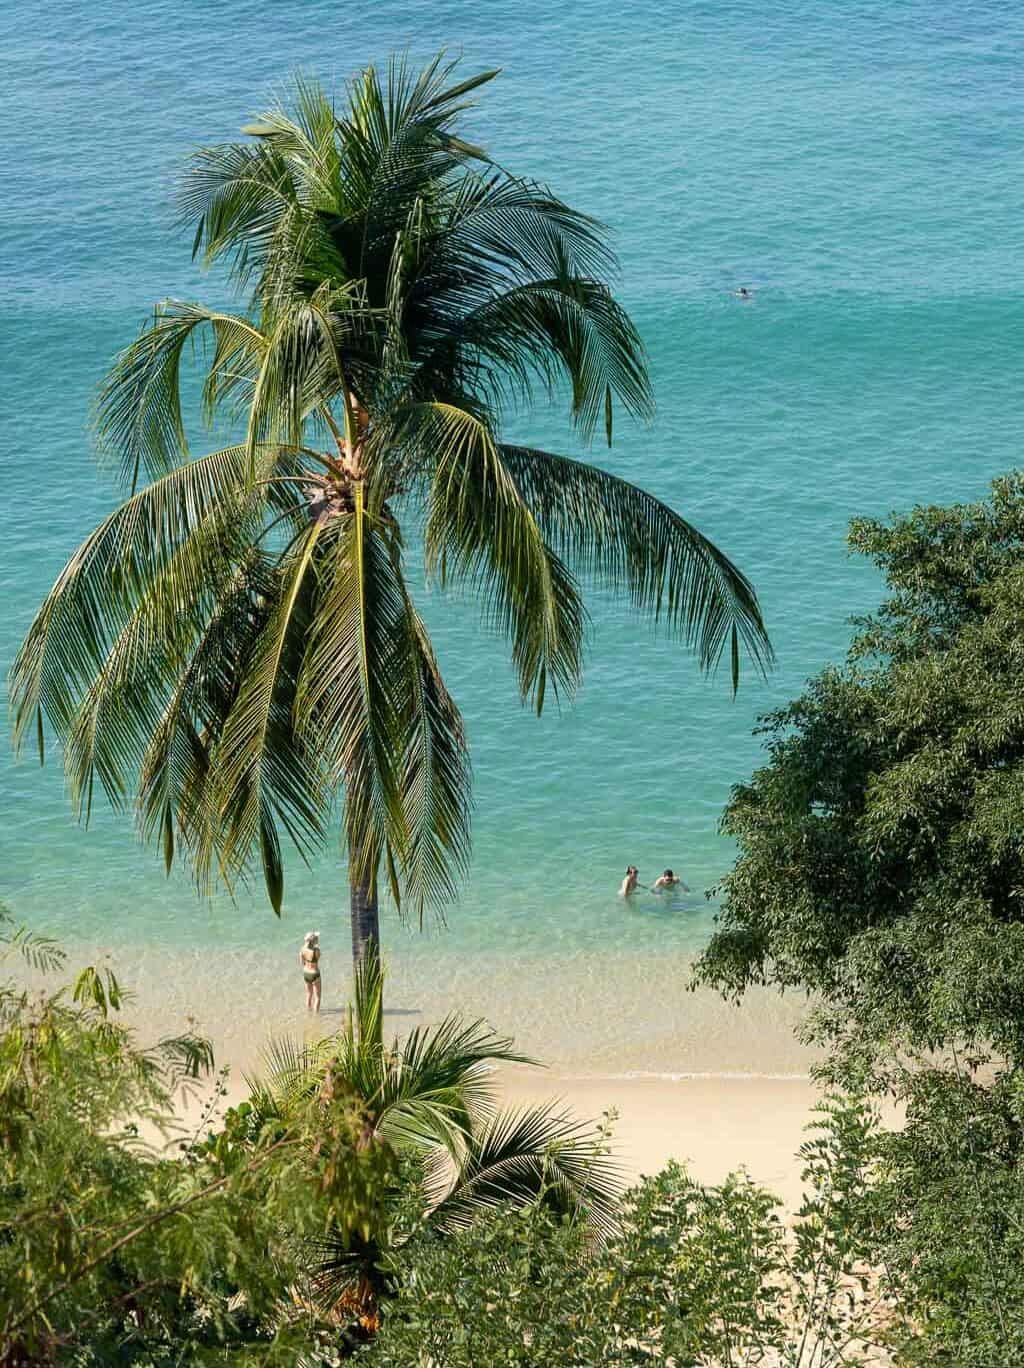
(269,1227)
(372,1202)
(238,642)
(112,1251)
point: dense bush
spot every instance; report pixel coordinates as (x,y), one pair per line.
(112,1254)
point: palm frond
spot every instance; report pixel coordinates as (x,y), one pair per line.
(508,231)
(289,1075)
(264,776)
(564,327)
(122,706)
(139,418)
(536,1154)
(368,1002)
(97,593)
(479,527)
(397,141)
(346,701)
(302,367)
(437,1086)
(234,195)
(183,1057)
(40,952)
(611,529)
(175,803)
(436,778)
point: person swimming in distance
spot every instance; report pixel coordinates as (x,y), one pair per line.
(743,293)
(668,880)
(629,883)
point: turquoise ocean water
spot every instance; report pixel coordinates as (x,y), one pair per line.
(857,164)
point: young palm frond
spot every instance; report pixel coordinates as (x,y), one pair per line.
(536,1154)
(431,1098)
(430,1091)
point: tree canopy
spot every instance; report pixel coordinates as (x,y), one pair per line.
(880,847)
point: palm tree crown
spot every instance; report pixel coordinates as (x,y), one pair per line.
(237,641)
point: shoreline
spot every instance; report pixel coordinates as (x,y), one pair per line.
(717,1086)
(614,1015)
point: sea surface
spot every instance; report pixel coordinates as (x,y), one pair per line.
(858,166)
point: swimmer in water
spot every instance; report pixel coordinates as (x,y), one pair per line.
(668,880)
(629,883)
(743,293)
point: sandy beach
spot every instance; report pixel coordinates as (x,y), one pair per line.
(713,1125)
(691,1077)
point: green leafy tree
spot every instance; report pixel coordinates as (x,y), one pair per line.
(948,1220)
(371,1201)
(880,848)
(113,1253)
(237,641)
(880,869)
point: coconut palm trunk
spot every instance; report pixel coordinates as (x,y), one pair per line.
(365,924)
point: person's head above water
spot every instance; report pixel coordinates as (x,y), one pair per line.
(668,874)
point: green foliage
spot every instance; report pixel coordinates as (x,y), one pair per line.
(692,1276)
(111,1252)
(271,1231)
(880,848)
(948,1207)
(880,870)
(237,641)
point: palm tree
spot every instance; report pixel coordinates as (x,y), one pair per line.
(431,1100)
(236,643)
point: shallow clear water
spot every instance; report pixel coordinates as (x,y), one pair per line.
(857,165)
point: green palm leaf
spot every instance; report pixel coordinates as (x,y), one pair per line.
(346,690)
(98,591)
(535,1154)
(264,778)
(139,420)
(613,530)
(479,527)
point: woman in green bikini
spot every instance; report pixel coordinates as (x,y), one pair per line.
(309,958)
